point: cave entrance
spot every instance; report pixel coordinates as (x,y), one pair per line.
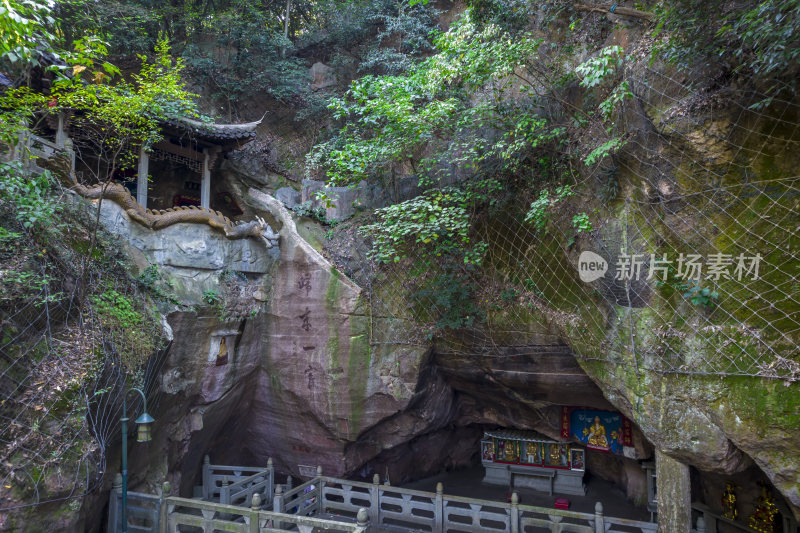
(526,419)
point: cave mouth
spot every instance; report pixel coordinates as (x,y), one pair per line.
(521,418)
(544,396)
(464,403)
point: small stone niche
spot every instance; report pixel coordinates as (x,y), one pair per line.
(221,348)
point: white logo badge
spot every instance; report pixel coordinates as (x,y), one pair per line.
(591,266)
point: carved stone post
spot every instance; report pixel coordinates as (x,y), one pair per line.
(701,525)
(362,519)
(225,492)
(375,500)
(114,504)
(288,483)
(205,184)
(255,509)
(514,516)
(225,497)
(206,477)
(61,134)
(270,489)
(69,149)
(438,509)
(277,505)
(141,179)
(599,521)
(162,511)
(320,490)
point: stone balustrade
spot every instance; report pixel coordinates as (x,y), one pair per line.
(395,507)
(247,500)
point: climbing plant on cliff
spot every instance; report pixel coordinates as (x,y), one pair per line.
(691,154)
(75,326)
(449,119)
(760,41)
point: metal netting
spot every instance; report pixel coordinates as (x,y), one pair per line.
(695,218)
(63,368)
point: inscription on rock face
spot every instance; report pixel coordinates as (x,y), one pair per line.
(309,372)
(306,325)
(304,282)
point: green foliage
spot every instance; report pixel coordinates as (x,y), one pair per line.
(620,93)
(159,285)
(27,195)
(121,114)
(129,327)
(28,285)
(116,116)
(437,222)
(537,214)
(509,294)
(307,209)
(599,68)
(238,59)
(450,295)
(702,296)
(450,112)
(530,286)
(604,150)
(23,32)
(761,41)
(581,223)
(404,36)
(112,305)
(211,297)
(391,118)
(8,238)
(216,301)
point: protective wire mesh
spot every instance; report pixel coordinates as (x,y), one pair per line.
(62,374)
(696,220)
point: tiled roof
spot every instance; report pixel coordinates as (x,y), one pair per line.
(215,132)
(517,434)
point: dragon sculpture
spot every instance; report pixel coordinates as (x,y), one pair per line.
(158,219)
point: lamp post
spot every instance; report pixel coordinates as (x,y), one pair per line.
(143,435)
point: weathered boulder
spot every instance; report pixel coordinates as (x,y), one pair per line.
(288,196)
(322,76)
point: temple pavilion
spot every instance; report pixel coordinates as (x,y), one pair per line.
(180,169)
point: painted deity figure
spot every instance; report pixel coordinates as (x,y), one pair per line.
(597,435)
(763,519)
(532,452)
(729,509)
(509,451)
(222,356)
(577,459)
(555,454)
(488,454)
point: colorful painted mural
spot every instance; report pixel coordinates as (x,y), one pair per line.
(599,430)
